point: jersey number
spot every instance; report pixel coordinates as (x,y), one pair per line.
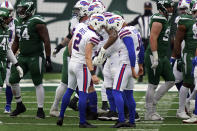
(77,41)
(25,34)
(166,35)
(3,44)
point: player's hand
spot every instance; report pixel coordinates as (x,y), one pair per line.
(101,55)
(95,79)
(134,74)
(96,61)
(20,71)
(141,70)
(57,49)
(154,60)
(48,64)
(172,61)
(54,52)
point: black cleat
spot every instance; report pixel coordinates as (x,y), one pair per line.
(120,124)
(91,116)
(73,103)
(105,106)
(137,117)
(60,121)
(131,125)
(110,116)
(86,125)
(40,114)
(20,108)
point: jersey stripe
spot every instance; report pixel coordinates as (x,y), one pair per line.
(125,34)
(37,18)
(85,78)
(95,42)
(120,77)
(159,17)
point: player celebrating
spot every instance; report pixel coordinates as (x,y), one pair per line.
(6,4)
(156,60)
(31,32)
(84,40)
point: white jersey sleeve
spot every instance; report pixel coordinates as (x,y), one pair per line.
(12,32)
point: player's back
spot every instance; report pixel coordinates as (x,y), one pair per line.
(82,35)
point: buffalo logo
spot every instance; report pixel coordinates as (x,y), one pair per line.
(112,20)
(84,3)
(91,8)
(99,18)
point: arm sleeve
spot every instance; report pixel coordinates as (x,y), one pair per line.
(128,41)
(11,57)
(141,55)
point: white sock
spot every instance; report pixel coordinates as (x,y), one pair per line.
(192,96)
(16,90)
(61,89)
(149,97)
(40,95)
(162,90)
(182,98)
(103,94)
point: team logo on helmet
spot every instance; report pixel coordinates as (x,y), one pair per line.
(112,20)
(91,8)
(84,3)
(99,18)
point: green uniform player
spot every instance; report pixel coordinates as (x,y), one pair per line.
(156,60)
(5,51)
(31,33)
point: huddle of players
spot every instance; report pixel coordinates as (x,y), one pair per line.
(119,50)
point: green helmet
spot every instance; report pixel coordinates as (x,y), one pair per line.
(25,9)
(163,4)
(194,7)
(192,3)
(4,17)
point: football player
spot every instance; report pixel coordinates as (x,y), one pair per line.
(7,4)
(156,60)
(31,33)
(6,52)
(81,70)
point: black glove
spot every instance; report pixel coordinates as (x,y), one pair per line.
(48,65)
(58,48)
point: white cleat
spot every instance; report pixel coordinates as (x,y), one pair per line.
(182,115)
(193,119)
(7,112)
(54,112)
(153,117)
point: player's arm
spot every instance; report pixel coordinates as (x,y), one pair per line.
(180,33)
(141,59)
(15,44)
(70,46)
(88,57)
(113,35)
(128,41)
(154,34)
(44,34)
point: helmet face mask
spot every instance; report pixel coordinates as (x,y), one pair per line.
(80,9)
(25,9)
(98,22)
(165,7)
(115,22)
(194,11)
(184,7)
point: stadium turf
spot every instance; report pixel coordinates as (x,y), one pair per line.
(27,122)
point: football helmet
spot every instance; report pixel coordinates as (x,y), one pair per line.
(162,6)
(8,5)
(25,9)
(115,22)
(81,8)
(184,5)
(4,17)
(96,8)
(194,9)
(97,21)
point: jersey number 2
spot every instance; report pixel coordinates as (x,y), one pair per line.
(77,41)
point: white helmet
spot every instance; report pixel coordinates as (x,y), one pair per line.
(115,22)
(97,21)
(194,8)
(96,8)
(80,9)
(8,5)
(184,4)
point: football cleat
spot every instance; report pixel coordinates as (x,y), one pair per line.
(73,103)
(20,108)
(105,106)
(40,114)
(60,121)
(153,117)
(7,109)
(110,116)
(137,117)
(182,115)
(120,124)
(86,125)
(131,125)
(193,119)
(54,112)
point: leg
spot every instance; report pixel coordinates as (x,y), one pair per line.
(40,101)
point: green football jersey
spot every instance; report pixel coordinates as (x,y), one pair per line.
(163,39)
(4,37)
(191,33)
(30,43)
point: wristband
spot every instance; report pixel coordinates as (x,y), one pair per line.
(92,72)
(16,64)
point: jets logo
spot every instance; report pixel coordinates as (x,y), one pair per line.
(112,20)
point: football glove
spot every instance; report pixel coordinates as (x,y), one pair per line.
(20,70)
(155,60)
(57,49)
(48,65)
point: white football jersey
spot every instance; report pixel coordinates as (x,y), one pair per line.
(12,29)
(129,31)
(83,35)
(73,23)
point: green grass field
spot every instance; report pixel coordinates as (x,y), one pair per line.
(27,122)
